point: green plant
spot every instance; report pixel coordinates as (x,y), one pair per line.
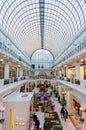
(63,102)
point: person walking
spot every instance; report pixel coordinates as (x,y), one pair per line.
(65,115)
(62,112)
(34,117)
(59,99)
(37,123)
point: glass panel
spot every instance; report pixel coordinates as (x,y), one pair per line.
(1,71)
(62,19)
(42,55)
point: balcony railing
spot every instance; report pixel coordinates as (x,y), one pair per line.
(81,47)
(12,80)
(77,84)
(74,81)
(11,53)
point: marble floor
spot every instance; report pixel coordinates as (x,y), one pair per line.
(67,125)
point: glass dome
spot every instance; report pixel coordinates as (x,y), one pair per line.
(42,55)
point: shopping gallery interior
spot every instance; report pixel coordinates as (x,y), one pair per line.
(43,64)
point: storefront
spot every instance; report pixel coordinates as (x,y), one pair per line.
(13,74)
(83,71)
(71,74)
(76,107)
(1,71)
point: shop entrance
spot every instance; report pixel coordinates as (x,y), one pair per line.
(77,107)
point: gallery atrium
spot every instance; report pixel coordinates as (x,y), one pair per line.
(42,50)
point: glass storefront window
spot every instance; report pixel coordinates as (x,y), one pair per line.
(1,71)
(72,74)
(13,72)
(24,72)
(83,72)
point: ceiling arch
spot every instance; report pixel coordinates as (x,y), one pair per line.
(41,54)
(47,24)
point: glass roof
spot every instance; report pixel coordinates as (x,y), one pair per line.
(48,24)
(42,56)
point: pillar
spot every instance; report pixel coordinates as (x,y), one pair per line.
(17,72)
(6,71)
(66,71)
(21,72)
(59,91)
(67,98)
(78,71)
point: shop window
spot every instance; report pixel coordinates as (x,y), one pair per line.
(71,74)
(13,72)
(83,72)
(24,72)
(77,107)
(1,72)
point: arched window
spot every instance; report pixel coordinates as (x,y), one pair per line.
(42,59)
(42,56)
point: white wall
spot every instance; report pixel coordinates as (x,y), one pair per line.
(21,114)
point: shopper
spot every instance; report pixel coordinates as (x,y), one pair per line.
(59,99)
(34,117)
(37,123)
(65,114)
(62,112)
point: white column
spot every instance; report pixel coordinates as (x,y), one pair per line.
(63,71)
(21,72)
(59,90)
(67,98)
(6,71)
(66,71)
(78,71)
(17,72)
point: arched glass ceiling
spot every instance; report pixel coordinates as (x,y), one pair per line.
(48,24)
(42,55)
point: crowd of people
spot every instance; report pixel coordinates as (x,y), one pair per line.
(45,102)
